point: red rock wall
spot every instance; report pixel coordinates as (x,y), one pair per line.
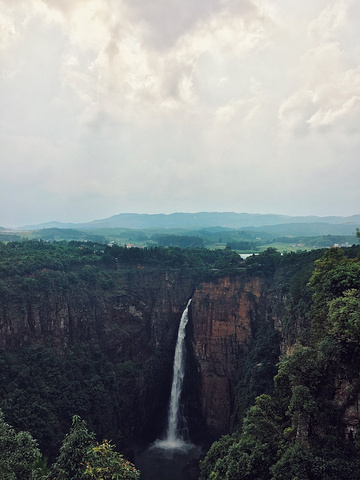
(222,313)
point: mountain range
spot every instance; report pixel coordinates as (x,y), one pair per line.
(199,220)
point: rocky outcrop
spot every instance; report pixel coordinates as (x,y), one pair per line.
(222,314)
(347,400)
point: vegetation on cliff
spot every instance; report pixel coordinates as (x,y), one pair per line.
(308,428)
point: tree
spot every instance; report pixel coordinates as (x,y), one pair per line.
(344,317)
(251,454)
(104,463)
(81,458)
(334,275)
(71,462)
(18,452)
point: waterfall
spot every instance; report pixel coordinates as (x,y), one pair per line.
(173,436)
(167,458)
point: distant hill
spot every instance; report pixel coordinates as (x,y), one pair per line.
(308,229)
(47,225)
(200,220)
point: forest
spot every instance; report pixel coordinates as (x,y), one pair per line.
(306,428)
(293,418)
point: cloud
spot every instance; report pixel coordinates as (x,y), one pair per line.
(7,31)
(113,69)
(167,20)
(135,105)
(327,99)
(332,18)
(295,112)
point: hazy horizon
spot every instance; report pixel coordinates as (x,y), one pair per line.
(110,107)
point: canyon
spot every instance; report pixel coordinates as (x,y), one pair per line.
(134,323)
(110,331)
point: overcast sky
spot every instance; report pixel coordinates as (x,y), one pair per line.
(161,106)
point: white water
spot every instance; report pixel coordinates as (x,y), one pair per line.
(174,439)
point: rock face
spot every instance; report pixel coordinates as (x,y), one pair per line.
(222,315)
(140,312)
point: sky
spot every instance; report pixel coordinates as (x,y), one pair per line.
(115,106)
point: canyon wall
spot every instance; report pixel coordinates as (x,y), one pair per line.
(140,310)
(223,314)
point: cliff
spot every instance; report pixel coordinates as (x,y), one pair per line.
(140,305)
(223,315)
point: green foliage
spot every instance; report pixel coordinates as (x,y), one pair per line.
(322,241)
(216,454)
(301,367)
(228,263)
(41,390)
(18,452)
(38,264)
(40,469)
(195,262)
(344,316)
(299,462)
(73,452)
(334,275)
(26,257)
(104,463)
(265,263)
(249,455)
(80,457)
(9,237)
(294,464)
